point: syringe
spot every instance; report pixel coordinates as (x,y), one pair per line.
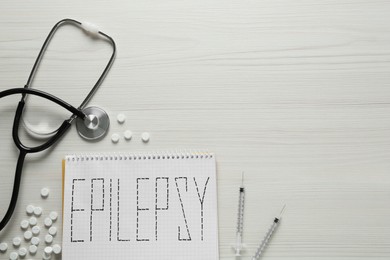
(268,236)
(240,219)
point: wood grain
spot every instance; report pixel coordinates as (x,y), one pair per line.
(294,93)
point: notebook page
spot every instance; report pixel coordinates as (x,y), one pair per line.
(140,207)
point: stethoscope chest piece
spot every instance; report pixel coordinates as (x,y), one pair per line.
(95,125)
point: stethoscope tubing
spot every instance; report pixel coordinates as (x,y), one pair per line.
(45,95)
(76,112)
(46,44)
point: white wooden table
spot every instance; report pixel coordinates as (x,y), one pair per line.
(294,93)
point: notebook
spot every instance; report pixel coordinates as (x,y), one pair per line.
(140,206)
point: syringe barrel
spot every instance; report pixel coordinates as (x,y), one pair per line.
(266,239)
(240,214)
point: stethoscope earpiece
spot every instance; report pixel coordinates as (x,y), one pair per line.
(95,124)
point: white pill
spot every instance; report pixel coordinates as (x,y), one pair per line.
(28,235)
(121,118)
(3,247)
(128,134)
(30,209)
(48,250)
(35,230)
(57,249)
(45,192)
(16,241)
(22,252)
(13,256)
(24,224)
(145,137)
(35,241)
(48,239)
(115,138)
(37,211)
(33,249)
(53,231)
(53,215)
(33,221)
(48,222)
(44,257)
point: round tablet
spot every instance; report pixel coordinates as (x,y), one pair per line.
(16,241)
(48,222)
(145,137)
(35,241)
(30,209)
(45,192)
(28,235)
(121,118)
(56,249)
(35,230)
(53,215)
(37,211)
(13,256)
(24,224)
(53,231)
(33,221)
(115,138)
(22,252)
(46,257)
(48,239)
(33,249)
(128,134)
(3,247)
(48,250)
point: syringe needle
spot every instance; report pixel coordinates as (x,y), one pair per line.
(268,236)
(282,211)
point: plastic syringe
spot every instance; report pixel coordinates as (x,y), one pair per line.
(238,246)
(268,236)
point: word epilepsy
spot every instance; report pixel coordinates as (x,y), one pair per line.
(139,209)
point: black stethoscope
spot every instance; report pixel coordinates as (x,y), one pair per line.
(92,122)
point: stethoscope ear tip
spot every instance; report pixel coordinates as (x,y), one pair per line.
(95,125)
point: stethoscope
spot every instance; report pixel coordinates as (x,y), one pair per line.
(92,122)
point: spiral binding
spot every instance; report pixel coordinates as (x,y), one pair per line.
(162,155)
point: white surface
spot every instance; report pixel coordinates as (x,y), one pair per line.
(295,93)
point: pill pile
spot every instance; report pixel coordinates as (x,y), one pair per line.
(115,137)
(28,243)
